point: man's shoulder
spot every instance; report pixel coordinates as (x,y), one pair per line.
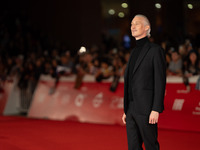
(154,45)
(155,48)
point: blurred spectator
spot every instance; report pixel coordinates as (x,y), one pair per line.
(84,66)
(17,66)
(168,59)
(105,71)
(65,68)
(191,67)
(175,65)
(47,67)
(126,57)
(9,65)
(183,52)
(188,46)
(2,75)
(118,72)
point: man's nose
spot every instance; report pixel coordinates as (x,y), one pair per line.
(132,27)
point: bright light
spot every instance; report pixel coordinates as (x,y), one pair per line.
(111,11)
(121,14)
(82,49)
(158,5)
(190,6)
(124,5)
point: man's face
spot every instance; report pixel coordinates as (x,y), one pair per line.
(138,28)
(175,56)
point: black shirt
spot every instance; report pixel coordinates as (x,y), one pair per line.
(133,58)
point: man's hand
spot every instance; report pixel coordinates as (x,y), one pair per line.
(153,118)
(124,118)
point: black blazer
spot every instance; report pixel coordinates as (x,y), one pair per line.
(148,81)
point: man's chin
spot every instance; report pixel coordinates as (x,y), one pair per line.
(133,35)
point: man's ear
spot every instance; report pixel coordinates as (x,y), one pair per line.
(146,27)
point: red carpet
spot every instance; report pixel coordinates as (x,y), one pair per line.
(17,133)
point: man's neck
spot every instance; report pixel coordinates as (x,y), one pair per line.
(141,37)
(141,41)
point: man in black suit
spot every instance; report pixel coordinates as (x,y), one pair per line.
(144,88)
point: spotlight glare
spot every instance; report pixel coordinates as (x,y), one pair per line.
(111,11)
(158,5)
(190,6)
(124,5)
(82,49)
(121,14)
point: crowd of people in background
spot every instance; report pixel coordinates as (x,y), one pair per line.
(27,53)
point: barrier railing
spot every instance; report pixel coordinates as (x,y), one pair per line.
(95,103)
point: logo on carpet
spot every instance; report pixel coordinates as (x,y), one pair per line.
(197,110)
(178,104)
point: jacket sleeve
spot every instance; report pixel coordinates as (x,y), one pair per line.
(159,65)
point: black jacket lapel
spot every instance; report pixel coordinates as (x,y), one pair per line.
(143,52)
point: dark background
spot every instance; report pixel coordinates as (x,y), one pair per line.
(84,22)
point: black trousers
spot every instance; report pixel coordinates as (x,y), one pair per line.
(139,130)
